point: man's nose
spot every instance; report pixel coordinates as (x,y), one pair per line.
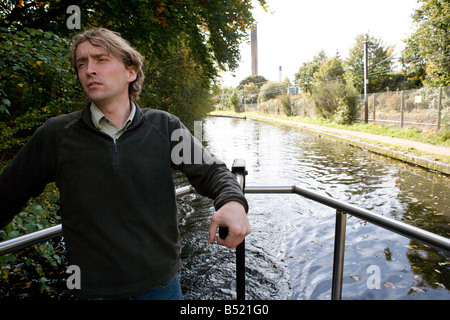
(90,69)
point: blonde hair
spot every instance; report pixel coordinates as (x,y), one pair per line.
(116,45)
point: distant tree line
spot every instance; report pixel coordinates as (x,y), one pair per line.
(332,83)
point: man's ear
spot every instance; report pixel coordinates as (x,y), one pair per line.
(132,73)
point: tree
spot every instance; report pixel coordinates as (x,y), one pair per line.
(223,97)
(176,86)
(235,101)
(323,79)
(270,90)
(427,53)
(330,70)
(256,80)
(332,96)
(379,63)
(286,103)
(304,78)
(154,27)
(250,88)
(335,99)
(35,84)
(186,44)
(413,64)
(250,93)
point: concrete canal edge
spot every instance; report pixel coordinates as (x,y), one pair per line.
(411,154)
(423,161)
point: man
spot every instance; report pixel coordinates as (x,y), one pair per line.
(112,164)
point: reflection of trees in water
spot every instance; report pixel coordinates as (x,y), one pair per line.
(432,213)
(418,197)
(431,268)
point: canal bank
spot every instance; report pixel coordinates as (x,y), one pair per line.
(425,155)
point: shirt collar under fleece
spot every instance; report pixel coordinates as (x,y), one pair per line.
(102,122)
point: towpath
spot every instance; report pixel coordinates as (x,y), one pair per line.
(426,155)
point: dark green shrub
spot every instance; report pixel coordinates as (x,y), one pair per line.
(36,83)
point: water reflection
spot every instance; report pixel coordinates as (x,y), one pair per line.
(290,251)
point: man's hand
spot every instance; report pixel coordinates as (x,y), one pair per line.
(232,216)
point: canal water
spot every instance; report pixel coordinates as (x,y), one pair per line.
(289,254)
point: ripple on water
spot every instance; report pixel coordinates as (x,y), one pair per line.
(290,251)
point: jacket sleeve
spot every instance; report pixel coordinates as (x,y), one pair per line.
(27,174)
(208,175)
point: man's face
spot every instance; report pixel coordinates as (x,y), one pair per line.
(103,76)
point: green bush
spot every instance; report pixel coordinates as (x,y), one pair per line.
(271,90)
(36,82)
(346,111)
(35,265)
(335,100)
(235,101)
(286,103)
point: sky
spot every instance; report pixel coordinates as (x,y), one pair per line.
(294,31)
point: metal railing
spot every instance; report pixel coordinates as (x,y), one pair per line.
(342,209)
(27,240)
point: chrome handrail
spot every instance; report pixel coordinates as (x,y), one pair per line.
(29,239)
(399,227)
(342,209)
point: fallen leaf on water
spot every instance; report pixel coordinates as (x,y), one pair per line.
(354,277)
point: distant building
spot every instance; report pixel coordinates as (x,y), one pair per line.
(292,91)
(254,44)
